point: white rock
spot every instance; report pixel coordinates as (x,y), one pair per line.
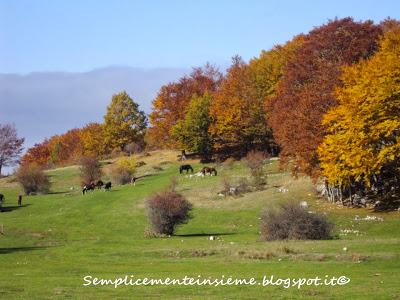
(303,204)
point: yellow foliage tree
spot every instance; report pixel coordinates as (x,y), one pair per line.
(363,141)
(92,136)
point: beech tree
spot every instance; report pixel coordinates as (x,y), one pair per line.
(240,120)
(92,136)
(10,146)
(362,148)
(173,99)
(306,91)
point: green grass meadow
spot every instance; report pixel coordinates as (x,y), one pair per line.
(54,240)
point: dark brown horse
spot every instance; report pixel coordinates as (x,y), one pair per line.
(99,184)
(209,170)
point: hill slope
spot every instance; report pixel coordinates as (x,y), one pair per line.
(54,240)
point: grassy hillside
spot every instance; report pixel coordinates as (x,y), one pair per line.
(54,240)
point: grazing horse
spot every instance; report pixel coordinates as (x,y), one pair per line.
(186,168)
(99,184)
(2,198)
(209,170)
(107,186)
(88,187)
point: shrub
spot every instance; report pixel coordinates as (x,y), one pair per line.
(255,161)
(167,210)
(291,221)
(124,170)
(90,169)
(128,163)
(119,175)
(33,179)
(228,163)
(243,186)
(228,187)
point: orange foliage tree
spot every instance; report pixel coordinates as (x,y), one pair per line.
(39,154)
(92,137)
(305,92)
(238,110)
(173,99)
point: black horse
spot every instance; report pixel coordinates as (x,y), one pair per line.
(107,186)
(186,168)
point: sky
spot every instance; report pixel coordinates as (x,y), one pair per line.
(81,35)
(61,60)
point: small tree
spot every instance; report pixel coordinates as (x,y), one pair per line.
(90,169)
(10,146)
(168,209)
(32,179)
(255,162)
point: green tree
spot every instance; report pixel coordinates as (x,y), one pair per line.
(124,122)
(192,132)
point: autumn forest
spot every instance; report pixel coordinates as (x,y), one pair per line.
(327,102)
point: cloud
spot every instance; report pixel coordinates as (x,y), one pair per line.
(48,103)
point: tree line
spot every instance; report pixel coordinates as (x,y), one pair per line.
(327,101)
(123,129)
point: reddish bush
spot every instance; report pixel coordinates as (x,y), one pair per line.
(33,179)
(166,210)
(90,169)
(255,162)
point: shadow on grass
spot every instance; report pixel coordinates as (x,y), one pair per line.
(11,208)
(19,249)
(56,193)
(204,234)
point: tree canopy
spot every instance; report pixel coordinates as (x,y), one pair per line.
(192,132)
(363,141)
(124,122)
(306,91)
(172,101)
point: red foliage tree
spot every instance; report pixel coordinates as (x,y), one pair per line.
(305,92)
(173,99)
